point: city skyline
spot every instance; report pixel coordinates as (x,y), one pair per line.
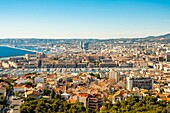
(84,19)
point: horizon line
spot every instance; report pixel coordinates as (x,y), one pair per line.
(101,38)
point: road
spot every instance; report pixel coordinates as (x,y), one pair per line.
(5,109)
(16,104)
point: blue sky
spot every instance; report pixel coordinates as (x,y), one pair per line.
(83,18)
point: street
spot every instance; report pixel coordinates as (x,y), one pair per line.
(16,104)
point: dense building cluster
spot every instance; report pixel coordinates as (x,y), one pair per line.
(95,73)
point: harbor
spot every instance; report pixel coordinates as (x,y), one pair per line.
(10,51)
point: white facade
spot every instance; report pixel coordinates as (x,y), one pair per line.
(21,81)
(5,65)
(129,83)
(65,95)
(3,90)
(114,75)
(38,80)
(19,88)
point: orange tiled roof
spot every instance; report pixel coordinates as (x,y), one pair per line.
(19,86)
(167,99)
(51,76)
(75,78)
(56,89)
(83,94)
(110,96)
(72,101)
(50,80)
(163,95)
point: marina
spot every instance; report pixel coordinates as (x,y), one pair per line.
(20,72)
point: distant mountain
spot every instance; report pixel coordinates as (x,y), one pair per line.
(166,36)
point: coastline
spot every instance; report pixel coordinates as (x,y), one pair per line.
(7,57)
(19,48)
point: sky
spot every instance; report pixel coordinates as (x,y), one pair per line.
(84,18)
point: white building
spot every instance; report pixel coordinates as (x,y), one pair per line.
(22,81)
(114,75)
(5,65)
(65,95)
(3,90)
(19,89)
(38,80)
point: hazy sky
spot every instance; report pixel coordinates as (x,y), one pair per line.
(83,18)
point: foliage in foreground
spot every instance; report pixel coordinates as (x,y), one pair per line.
(57,104)
(2,99)
(148,104)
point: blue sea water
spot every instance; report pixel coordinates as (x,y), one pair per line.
(9,52)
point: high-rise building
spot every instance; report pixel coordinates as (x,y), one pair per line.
(168,57)
(85,45)
(114,75)
(81,45)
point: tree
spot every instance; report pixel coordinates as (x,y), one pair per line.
(17,94)
(57,104)
(2,99)
(47,92)
(11,106)
(132,104)
(29,83)
(52,94)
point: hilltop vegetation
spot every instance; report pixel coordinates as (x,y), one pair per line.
(148,104)
(56,104)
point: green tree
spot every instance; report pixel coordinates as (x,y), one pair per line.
(52,94)
(47,92)
(17,94)
(29,83)
(2,99)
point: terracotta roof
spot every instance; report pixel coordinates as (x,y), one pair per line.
(72,101)
(51,76)
(33,92)
(75,78)
(83,94)
(143,90)
(110,96)
(56,90)
(167,99)
(19,86)
(163,95)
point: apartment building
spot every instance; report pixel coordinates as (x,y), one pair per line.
(140,82)
(94,102)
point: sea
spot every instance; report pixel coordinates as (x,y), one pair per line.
(11,52)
